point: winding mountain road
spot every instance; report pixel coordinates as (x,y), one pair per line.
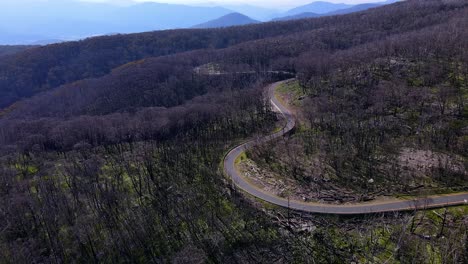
(322,208)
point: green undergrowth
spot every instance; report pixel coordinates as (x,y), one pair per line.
(293,91)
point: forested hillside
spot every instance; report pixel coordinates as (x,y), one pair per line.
(8,50)
(110,147)
(44,68)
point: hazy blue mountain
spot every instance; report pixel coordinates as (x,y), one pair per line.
(319,7)
(298,16)
(362,7)
(255,12)
(233,19)
(356,8)
(352,9)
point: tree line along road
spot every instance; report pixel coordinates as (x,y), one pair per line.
(321,208)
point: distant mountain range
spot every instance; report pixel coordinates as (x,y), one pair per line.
(298,16)
(69,20)
(233,19)
(317,9)
(38,22)
(254,12)
(356,8)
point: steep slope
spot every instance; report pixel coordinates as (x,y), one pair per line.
(413,85)
(36,70)
(144,76)
(28,73)
(233,19)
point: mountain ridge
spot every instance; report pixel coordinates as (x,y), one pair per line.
(318,7)
(340,11)
(232,19)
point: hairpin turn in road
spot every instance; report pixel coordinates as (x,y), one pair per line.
(322,208)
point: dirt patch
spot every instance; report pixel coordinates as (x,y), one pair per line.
(285,170)
(319,190)
(424,162)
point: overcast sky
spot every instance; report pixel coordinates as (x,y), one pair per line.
(263,3)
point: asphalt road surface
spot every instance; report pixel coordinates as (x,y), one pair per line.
(322,208)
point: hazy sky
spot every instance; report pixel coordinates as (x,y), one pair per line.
(276,4)
(264,3)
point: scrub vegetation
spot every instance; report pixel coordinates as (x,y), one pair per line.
(110,147)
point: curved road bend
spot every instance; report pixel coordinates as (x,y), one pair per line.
(352,209)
